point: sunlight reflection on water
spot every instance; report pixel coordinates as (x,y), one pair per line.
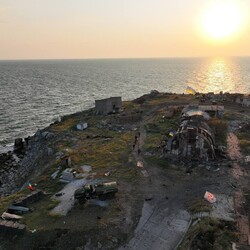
(218,74)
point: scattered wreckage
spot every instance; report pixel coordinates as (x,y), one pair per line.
(100,189)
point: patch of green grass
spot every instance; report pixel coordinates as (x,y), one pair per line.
(102,154)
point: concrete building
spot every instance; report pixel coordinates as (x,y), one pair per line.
(108,105)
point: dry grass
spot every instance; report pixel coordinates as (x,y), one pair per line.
(200,205)
(210,234)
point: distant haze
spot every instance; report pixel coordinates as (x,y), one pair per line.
(46,29)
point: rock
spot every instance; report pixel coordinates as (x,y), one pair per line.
(18,146)
(47,135)
(86,168)
(49,151)
(99,245)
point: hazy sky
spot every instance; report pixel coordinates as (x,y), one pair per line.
(34,29)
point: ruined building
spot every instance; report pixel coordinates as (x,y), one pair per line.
(108,105)
(194,139)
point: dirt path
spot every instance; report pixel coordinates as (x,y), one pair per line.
(237,173)
(163,222)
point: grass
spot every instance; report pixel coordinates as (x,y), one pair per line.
(219,127)
(158,130)
(199,206)
(7,201)
(244,141)
(210,234)
(40,218)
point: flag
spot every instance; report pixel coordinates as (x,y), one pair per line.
(30,187)
(190,90)
(171,133)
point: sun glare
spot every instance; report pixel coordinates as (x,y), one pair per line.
(222,20)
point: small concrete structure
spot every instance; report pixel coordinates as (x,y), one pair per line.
(82,126)
(108,105)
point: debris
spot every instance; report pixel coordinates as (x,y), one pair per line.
(139,164)
(209,197)
(107,173)
(234,246)
(67,175)
(33,231)
(145,173)
(8,216)
(81,126)
(11,226)
(86,168)
(59,194)
(18,210)
(247,158)
(54,175)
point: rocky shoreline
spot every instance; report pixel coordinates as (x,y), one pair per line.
(30,154)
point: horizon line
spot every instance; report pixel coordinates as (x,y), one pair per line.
(115,58)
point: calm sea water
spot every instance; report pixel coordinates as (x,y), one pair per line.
(34,93)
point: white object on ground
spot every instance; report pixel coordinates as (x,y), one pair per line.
(11,216)
(209,197)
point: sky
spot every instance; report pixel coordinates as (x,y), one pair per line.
(67,29)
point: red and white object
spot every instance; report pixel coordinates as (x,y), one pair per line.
(209,197)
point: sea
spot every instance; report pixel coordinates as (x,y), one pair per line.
(35,93)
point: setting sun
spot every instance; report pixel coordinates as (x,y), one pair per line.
(222,20)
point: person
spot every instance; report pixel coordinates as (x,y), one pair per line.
(138,151)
